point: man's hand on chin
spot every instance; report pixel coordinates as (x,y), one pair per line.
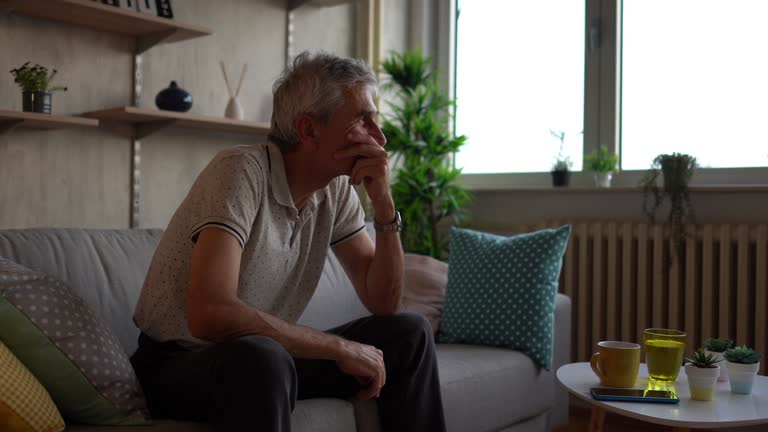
(371,167)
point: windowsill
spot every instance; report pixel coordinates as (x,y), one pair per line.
(758,188)
(718,180)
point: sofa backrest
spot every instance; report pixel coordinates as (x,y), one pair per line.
(107,269)
(104,267)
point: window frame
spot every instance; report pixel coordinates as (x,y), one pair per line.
(602,104)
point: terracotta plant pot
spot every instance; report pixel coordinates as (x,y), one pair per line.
(702,381)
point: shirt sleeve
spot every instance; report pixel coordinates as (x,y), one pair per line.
(350,218)
(226,195)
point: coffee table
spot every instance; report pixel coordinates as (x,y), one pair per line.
(726,410)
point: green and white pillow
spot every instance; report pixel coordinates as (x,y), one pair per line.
(501,290)
(70,351)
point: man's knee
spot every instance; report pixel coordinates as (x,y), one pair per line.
(257,362)
(412,325)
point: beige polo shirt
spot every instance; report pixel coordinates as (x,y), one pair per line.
(244,191)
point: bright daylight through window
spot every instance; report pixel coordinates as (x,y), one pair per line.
(695,80)
(519,75)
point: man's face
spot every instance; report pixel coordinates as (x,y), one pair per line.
(356,116)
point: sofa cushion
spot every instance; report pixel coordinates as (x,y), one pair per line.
(312,415)
(424,281)
(486,388)
(335,300)
(501,290)
(25,406)
(75,356)
(106,268)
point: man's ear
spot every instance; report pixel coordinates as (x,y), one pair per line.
(305,129)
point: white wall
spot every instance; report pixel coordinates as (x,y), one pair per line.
(80,177)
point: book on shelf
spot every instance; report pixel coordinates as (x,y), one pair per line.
(164,9)
(111,2)
(147,6)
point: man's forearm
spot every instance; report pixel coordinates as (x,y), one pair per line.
(228,321)
(385,274)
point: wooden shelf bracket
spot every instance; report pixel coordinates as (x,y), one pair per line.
(143,130)
(144,43)
(9,125)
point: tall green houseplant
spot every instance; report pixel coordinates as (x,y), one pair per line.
(418,130)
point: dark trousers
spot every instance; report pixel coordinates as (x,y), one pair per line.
(252,383)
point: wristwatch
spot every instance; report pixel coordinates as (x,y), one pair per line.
(395,226)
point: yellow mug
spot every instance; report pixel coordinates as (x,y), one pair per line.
(616,363)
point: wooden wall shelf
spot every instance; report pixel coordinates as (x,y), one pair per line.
(143,122)
(13,119)
(148,30)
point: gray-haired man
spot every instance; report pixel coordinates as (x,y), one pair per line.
(243,254)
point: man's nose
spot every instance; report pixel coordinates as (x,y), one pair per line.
(378,135)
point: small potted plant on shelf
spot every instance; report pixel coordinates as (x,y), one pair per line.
(604,164)
(717,347)
(561,170)
(676,170)
(35,82)
(702,372)
(743,364)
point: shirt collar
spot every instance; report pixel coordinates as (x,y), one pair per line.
(278,180)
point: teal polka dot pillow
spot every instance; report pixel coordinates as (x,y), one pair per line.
(501,290)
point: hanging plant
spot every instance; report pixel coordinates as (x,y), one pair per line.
(425,188)
(676,170)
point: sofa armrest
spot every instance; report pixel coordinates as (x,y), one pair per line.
(561,355)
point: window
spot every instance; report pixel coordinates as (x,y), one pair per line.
(656,76)
(520,74)
(695,80)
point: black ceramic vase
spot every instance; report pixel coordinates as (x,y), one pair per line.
(174,98)
(561,178)
(39,102)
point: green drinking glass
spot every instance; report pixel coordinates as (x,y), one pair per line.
(664,351)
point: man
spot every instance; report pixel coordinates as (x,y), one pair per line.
(243,254)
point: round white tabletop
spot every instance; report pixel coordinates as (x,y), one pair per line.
(726,410)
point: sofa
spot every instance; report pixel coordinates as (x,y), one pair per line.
(483,388)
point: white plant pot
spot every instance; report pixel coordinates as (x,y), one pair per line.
(603,180)
(723,370)
(702,381)
(742,376)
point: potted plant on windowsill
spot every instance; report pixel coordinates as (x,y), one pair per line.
(604,164)
(743,364)
(35,83)
(561,169)
(676,170)
(702,372)
(718,347)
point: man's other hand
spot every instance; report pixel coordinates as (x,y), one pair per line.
(366,364)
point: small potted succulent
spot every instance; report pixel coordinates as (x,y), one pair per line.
(743,364)
(37,91)
(561,170)
(717,347)
(604,164)
(702,372)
